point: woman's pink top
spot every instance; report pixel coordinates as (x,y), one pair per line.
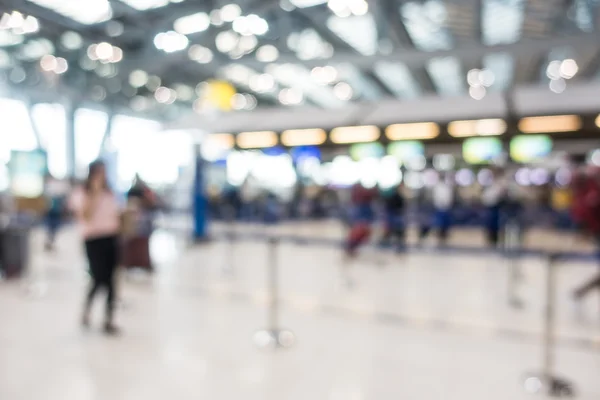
(105,217)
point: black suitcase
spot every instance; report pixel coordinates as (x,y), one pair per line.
(14,252)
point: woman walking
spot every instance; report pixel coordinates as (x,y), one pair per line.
(98,215)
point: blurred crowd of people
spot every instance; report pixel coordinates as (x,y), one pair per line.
(117,233)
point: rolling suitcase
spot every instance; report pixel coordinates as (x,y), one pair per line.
(14,256)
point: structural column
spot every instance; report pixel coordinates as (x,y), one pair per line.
(70,142)
(200,203)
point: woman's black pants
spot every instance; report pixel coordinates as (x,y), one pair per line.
(103,257)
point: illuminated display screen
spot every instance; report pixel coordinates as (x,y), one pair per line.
(366,150)
(481,150)
(303,152)
(274,151)
(406,150)
(27,171)
(529,148)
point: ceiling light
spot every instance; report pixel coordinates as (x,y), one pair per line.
(17,75)
(290,97)
(104,51)
(200,54)
(247,43)
(5,60)
(16,20)
(87,64)
(487,77)
(8,38)
(165,95)
(358,7)
(98,93)
(267,53)
(343,91)
(551,124)
(5,21)
(553,69)
(86,12)
(139,103)
(307,3)
(250,25)
(117,55)
(230,12)
(251,102)
(36,49)
(143,5)
(558,85)
(91,52)
(477,92)
(153,83)
(184,92)
(355,134)
(256,140)
(303,137)
(226,41)
(262,83)
(71,40)
(481,127)
(473,77)
(190,24)
(61,66)
(215,18)
(258,26)
(30,25)
(201,88)
(170,41)
(346,8)
(114,28)
(106,70)
(48,63)
(138,78)
(413,131)
(238,101)
(199,105)
(568,68)
(239,74)
(324,75)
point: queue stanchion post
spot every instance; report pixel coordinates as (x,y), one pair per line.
(546,382)
(273,337)
(230,247)
(512,249)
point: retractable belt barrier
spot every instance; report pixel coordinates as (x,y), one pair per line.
(273,336)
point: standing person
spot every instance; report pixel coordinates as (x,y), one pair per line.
(362,217)
(55,196)
(493,198)
(141,202)
(395,225)
(586,214)
(98,215)
(443,201)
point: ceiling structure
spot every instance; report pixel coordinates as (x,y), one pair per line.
(154,57)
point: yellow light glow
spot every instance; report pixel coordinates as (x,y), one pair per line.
(303,137)
(414,131)
(257,140)
(355,134)
(550,124)
(221,140)
(479,127)
(598,121)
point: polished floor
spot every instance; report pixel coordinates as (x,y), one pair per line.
(425,325)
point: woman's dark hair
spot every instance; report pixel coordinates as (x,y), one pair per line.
(94,168)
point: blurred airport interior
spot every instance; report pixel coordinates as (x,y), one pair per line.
(293,199)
